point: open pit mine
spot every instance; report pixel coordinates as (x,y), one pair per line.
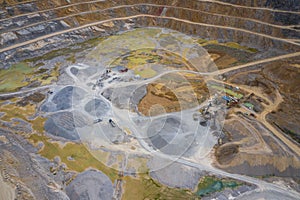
(149,99)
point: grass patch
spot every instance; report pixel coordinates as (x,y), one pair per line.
(232,45)
(201,41)
(142,60)
(71,58)
(13,78)
(13,111)
(145,73)
(228,91)
(237,46)
(146,188)
(21,75)
(204,42)
(83,159)
(38,124)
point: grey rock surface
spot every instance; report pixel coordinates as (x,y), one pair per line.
(97,107)
(64,124)
(63,99)
(8,37)
(90,185)
(29,172)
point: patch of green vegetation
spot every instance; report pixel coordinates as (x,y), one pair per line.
(138,58)
(83,159)
(71,58)
(145,73)
(13,78)
(151,31)
(48,78)
(131,40)
(228,91)
(210,185)
(207,42)
(145,187)
(69,51)
(141,61)
(41,70)
(21,75)
(232,45)
(201,41)
(14,111)
(38,124)
(235,45)
(39,65)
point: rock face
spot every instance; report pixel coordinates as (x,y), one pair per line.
(27,172)
(291,5)
(90,185)
(283,18)
(217,20)
(7,38)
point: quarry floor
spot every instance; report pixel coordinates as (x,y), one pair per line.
(128,148)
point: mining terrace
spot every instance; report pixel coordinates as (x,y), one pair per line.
(145,99)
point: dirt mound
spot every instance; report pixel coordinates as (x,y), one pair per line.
(226,153)
(173,93)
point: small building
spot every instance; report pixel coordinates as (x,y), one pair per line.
(249,105)
(226,98)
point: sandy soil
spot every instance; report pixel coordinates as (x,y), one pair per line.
(165,96)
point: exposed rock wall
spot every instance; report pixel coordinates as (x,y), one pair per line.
(213,7)
(258,28)
(80,35)
(27,32)
(291,5)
